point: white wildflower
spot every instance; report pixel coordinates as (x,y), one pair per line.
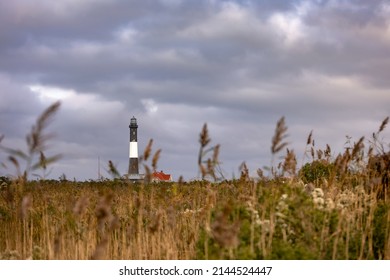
(255,213)
(346,198)
(319,202)
(282,205)
(317,192)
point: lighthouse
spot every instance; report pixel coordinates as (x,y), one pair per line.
(133,150)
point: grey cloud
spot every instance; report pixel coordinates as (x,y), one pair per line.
(18,107)
(237,65)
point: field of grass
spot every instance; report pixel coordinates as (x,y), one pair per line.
(329,208)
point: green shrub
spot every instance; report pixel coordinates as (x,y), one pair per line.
(316,170)
(380,228)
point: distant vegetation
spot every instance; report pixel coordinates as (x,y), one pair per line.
(331,207)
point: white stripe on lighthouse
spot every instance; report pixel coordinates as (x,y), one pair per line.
(133,150)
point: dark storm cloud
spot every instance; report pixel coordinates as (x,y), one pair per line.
(237,65)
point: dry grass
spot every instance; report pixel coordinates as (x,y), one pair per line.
(329,208)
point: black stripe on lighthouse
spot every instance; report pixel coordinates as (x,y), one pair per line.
(133,149)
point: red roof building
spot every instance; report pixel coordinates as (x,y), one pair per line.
(161,177)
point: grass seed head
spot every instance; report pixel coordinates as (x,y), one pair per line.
(155,159)
(328,152)
(204,138)
(148,150)
(290,162)
(309,138)
(113,170)
(244,172)
(319,154)
(279,136)
(383,125)
(36,140)
(357,148)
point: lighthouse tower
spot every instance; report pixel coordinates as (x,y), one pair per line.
(133,155)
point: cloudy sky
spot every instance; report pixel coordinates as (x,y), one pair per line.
(236,65)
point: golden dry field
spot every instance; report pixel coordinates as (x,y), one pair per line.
(328,208)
